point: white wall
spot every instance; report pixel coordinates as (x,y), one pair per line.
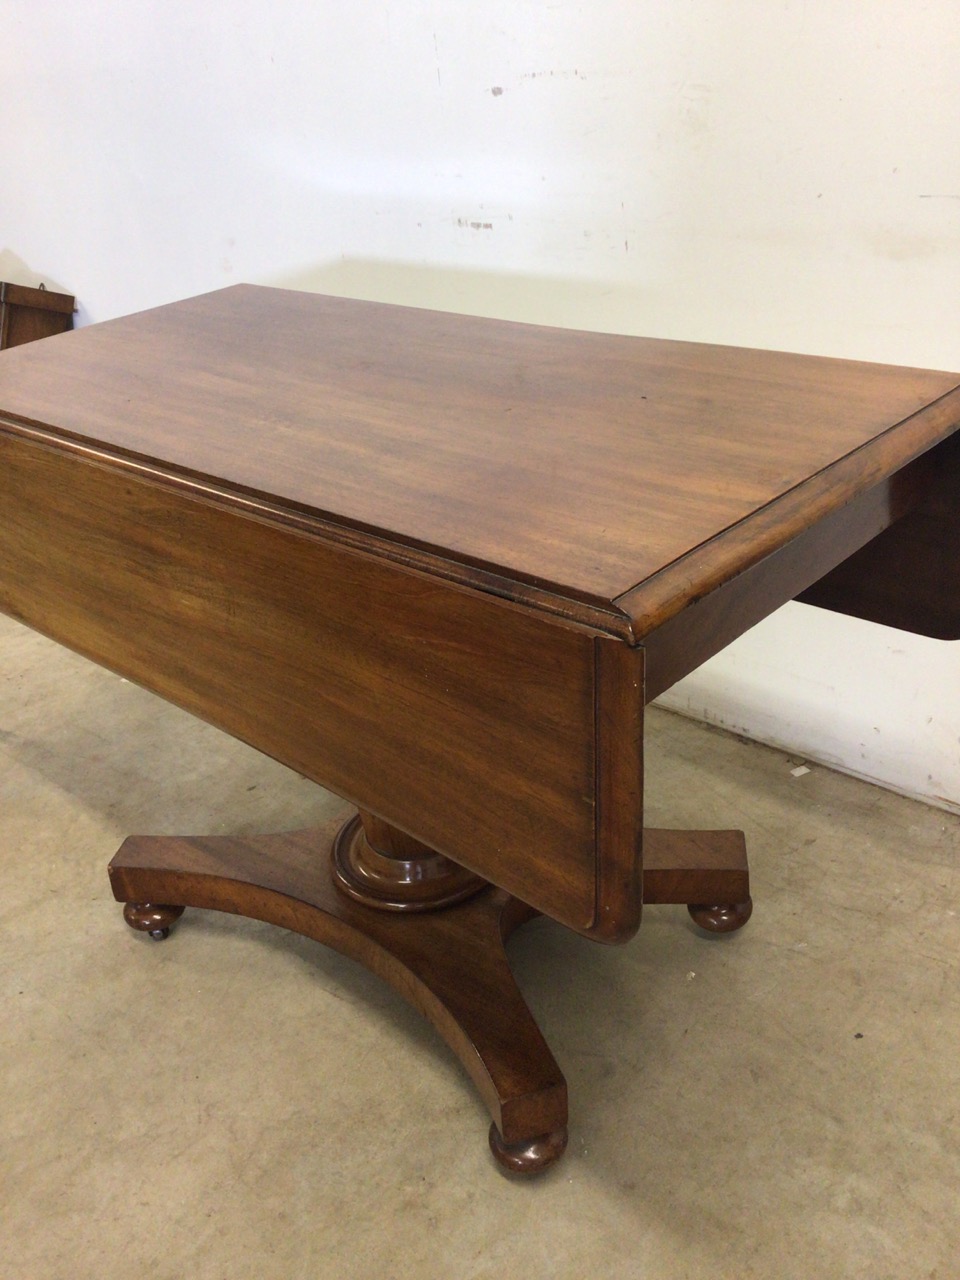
(772,174)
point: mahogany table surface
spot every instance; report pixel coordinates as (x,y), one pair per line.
(595,468)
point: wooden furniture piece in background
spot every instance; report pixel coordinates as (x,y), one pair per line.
(439,565)
(27,314)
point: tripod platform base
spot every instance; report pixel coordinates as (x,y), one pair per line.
(449,963)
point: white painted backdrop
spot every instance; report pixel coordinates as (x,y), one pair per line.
(773,173)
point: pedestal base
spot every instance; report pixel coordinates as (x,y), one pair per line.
(450,963)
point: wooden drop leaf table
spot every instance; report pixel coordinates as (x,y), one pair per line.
(439,565)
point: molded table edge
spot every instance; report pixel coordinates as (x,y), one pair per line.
(598,616)
(654,601)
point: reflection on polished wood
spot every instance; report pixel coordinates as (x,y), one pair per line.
(439,565)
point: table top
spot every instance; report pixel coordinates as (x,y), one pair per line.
(617,472)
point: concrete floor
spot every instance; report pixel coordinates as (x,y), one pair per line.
(238,1102)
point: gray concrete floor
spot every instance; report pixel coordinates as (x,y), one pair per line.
(239,1102)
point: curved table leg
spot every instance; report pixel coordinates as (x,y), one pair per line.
(450,964)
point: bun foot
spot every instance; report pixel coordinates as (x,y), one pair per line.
(531,1156)
(154,918)
(724,918)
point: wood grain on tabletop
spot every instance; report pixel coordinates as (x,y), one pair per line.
(583,462)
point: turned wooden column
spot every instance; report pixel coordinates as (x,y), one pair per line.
(383,867)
